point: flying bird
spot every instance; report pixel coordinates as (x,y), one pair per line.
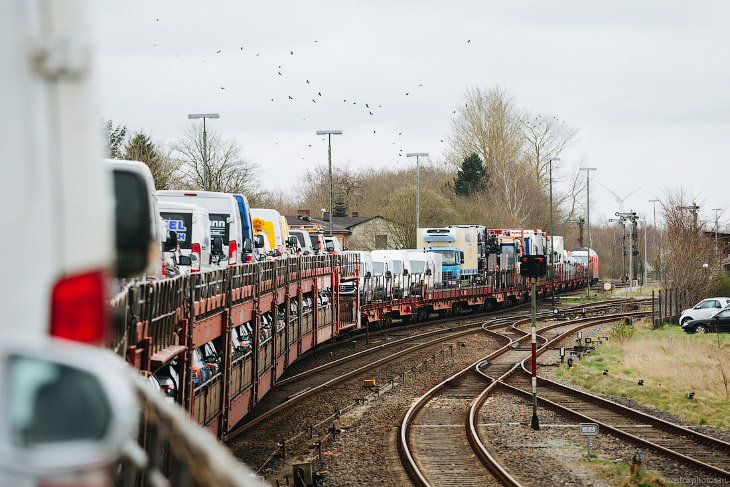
(468,41)
(157,20)
(280,73)
(400,133)
(290,97)
(257,54)
(373,131)
(420,84)
(242,48)
(367,106)
(307,81)
(272,99)
(218,52)
(370,113)
(407,93)
(313,101)
(291,52)
(319,93)
(223,87)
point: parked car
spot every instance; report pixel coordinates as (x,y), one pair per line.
(720,322)
(166,381)
(704,309)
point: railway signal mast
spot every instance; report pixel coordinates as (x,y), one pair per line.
(534,266)
(632,217)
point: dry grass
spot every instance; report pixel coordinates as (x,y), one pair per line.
(671,364)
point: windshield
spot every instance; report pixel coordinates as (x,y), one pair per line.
(509,251)
(397,267)
(182,224)
(418,266)
(448,255)
(219,226)
(378,268)
(300,238)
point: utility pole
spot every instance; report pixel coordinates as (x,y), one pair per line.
(656,244)
(588,222)
(193,116)
(329,134)
(551,260)
(717,218)
(418,186)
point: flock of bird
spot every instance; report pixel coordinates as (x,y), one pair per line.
(366,106)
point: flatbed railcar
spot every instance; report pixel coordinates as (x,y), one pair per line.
(285,307)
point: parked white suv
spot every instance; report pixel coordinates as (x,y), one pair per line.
(704,309)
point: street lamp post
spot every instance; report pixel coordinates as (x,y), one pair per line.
(418,185)
(192,116)
(588,223)
(717,217)
(329,134)
(551,260)
(656,245)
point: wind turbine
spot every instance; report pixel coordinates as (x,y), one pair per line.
(619,199)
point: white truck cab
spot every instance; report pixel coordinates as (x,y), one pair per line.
(191,225)
(225,221)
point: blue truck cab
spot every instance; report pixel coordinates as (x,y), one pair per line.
(245,210)
(443,241)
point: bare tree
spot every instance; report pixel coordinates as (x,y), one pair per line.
(688,255)
(488,124)
(163,167)
(228,171)
(545,136)
(114,138)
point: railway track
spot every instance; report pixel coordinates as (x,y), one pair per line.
(687,446)
(438,441)
(296,389)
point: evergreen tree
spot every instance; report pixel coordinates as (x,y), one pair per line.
(340,206)
(472,176)
(114,139)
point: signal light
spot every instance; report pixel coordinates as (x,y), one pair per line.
(533,266)
(78,308)
(190,194)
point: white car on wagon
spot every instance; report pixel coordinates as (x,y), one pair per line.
(704,309)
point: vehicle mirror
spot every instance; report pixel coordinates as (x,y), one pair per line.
(461,256)
(132,220)
(259,241)
(428,272)
(67,407)
(247,245)
(368,275)
(276,252)
(388,274)
(292,241)
(306,252)
(241,348)
(345,248)
(405,272)
(184,260)
(216,247)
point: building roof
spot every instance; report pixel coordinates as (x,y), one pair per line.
(340,224)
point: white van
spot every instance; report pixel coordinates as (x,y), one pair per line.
(192,226)
(225,220)
(55,289)
(426,267)
(305,242)
(381,285)
(157,226)
(401,269)
(269,222)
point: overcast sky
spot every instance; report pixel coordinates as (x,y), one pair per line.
(646,83)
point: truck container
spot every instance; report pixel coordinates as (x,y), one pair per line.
(458,247)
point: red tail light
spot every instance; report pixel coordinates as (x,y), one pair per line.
(78,308)
(195,267)
(249,258)
(232,252)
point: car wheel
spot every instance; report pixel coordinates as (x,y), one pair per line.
(686,320)
(701,329)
